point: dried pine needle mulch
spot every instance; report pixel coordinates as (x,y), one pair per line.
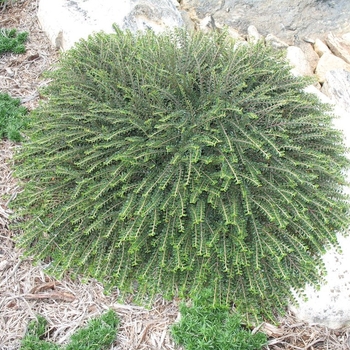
(25,289)
(293,334)
(20,73)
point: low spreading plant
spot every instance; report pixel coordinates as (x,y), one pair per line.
(12,41)
(99,334)
(12,118)
(174,162)
(204,326)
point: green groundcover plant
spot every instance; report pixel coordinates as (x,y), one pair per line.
(99,334)
(204,326)
(12,117)
(12,41)
(169,163)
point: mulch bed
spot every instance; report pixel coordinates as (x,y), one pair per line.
(67,304)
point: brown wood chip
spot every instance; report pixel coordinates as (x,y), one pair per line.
(53,295)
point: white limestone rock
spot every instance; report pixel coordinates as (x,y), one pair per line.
(321,48)
(339,46)
(329,62)
(330,306)
(253,35)
(310,54)
(297,59)
(67,21)
(337,87)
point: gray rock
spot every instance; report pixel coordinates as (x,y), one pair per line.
(189,24)
(151,14)
(207,24)
(275,42)
(290,20)
(337,87)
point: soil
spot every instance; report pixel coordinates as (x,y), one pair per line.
(26,290)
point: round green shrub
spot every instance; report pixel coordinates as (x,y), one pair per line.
(172,162)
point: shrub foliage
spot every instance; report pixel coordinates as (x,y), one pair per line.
(180,161)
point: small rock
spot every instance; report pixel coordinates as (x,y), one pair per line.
(297,59)
(157,15)
(240,43)
(3,265)
(253,35)
(207,24)
(337,87)
(275,42)
(339,47)
(328,62)
(189,24)
(309,40)
(321,48)
(10,72)
(233,33)
(310,54)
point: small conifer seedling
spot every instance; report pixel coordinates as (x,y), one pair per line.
(99,334)
(13,117)
(172,162)
(12,41)
(204,326)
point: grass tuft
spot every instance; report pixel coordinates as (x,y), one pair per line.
(99,334)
